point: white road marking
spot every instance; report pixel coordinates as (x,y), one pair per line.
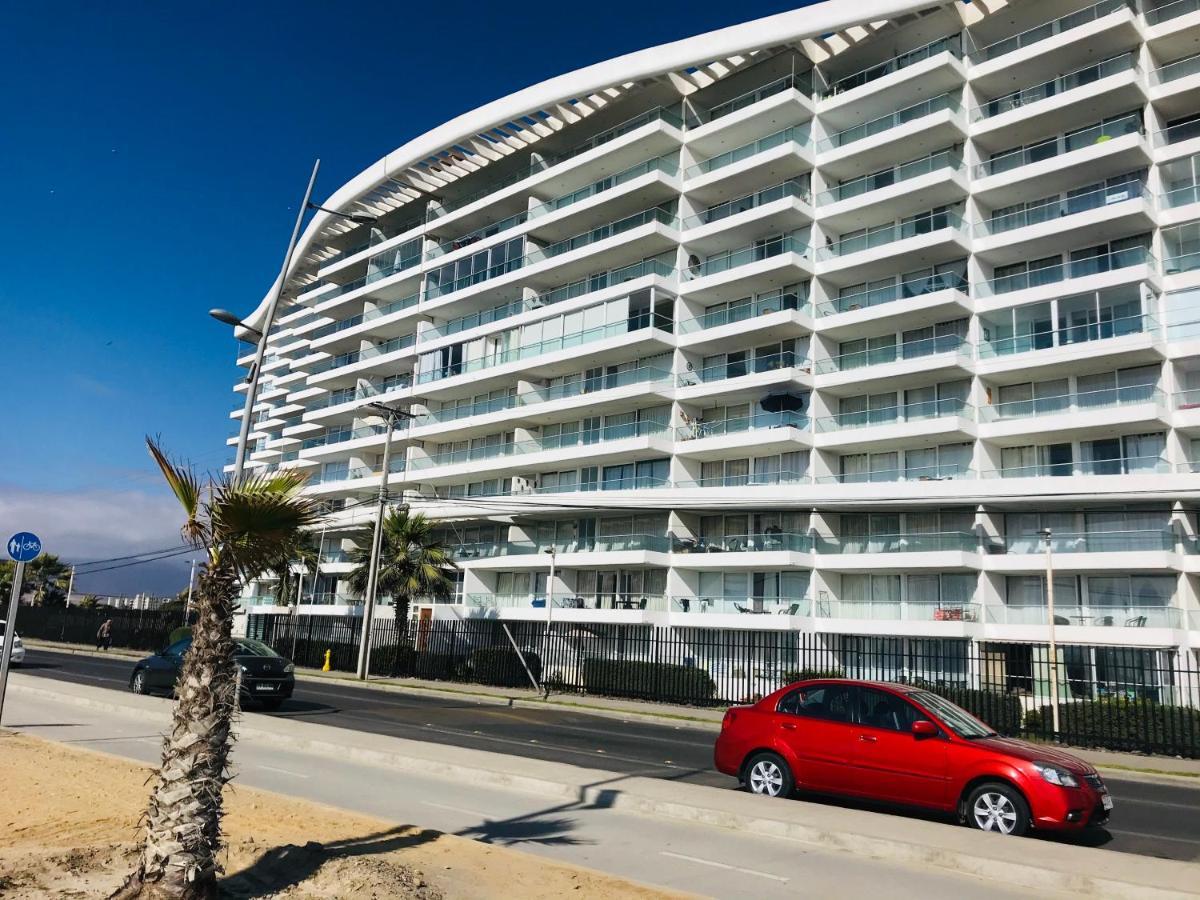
(457,809)
(284,771)
(720,865)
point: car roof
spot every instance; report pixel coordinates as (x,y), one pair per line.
(894,686)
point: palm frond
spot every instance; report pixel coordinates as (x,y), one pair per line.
(257,521)
(185,486)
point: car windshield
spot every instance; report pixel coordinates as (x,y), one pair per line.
(955,717)
(248,647)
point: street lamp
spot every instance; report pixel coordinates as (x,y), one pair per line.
(390,414)
(1046,539)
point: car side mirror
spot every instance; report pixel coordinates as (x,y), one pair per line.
(923,728)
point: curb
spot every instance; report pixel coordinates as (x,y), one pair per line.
(996,858)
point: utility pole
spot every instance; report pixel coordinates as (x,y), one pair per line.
(1046,537)
(70,586)
(390,415)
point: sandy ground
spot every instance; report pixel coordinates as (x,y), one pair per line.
(69,829)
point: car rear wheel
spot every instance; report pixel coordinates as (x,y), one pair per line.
(768,774)
(137,683)
(999,808)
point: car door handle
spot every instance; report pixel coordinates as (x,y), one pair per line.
(869,738)
(790,726)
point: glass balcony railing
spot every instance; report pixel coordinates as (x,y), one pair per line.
(399,264)
(659,114)
(1131,465)
(1092,541)
(396,344)
(801,82)
(795,297)
(1062,337)
(765,541)
(479,234)
(739,604)
(552,442)
(655,543)
(1181,68)
(350,434)
(1055,209)
(1174,263)
(1181,131)
(951,44)
(1060,85)
(899,610)
(890,121)
(466,411)
(1164,12)
(1046,30)
(474,320)
(1186,399)
(1086,616)
(603,232)
(749,479)
(874,356)
(1181,195)
(368,315)
(1078,402)
(881,235)
(931,542)
(618,432)
(741,425)
(793,188)
(590,385)
(733,259)
(772,362)
(658,265)
(1061,271)
(650,603)
(636,322)
(668,165)
(797,135)
(374,238)
(900,290)
(947,159)
(1060,144)
(937,472)
(613,483)
(893,415)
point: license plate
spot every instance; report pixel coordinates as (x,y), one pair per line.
(264,687)
(1106,801)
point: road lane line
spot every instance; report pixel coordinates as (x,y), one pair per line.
(458,809)
(721,865)
(282,771)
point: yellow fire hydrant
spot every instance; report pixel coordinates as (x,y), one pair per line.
(327,667)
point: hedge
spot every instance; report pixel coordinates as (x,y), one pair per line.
(1120,724)
(647,680)
(500,666)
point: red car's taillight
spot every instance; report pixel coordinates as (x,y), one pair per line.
(730,715)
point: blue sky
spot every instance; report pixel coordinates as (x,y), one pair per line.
(152,162)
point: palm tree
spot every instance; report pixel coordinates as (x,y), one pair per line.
(306,555)
(242,526)
(412,562)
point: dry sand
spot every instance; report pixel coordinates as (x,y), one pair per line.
(69,829)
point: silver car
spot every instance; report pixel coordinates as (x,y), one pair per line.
(18,650)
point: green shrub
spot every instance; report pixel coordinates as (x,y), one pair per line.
(806,674)
(647,680)
(1119,724)
(500,666)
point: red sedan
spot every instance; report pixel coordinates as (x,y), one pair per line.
(905,745)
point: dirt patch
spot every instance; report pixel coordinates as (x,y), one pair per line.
(68,828)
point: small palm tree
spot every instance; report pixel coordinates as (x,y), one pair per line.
(243,526)
(305,555)
(412,562)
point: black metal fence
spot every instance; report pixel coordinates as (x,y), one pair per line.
(1145,700)
(132,629)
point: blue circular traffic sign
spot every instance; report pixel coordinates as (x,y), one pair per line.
(24,546)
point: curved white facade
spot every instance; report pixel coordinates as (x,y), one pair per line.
(801,325)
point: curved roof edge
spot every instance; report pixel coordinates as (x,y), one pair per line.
(781,28)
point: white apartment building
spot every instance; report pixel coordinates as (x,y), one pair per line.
(807,325)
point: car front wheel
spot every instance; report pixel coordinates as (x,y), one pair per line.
(768,774)
(137,683)
(999,808)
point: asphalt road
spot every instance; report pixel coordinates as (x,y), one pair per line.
(1150,819)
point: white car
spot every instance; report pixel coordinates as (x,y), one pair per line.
(18,650)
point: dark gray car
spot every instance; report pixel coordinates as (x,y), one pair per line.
(267,678)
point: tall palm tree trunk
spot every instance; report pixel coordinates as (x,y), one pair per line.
(183,821)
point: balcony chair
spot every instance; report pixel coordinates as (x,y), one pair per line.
(1136,622)
(790,611)
(1061,620)
(1106,621)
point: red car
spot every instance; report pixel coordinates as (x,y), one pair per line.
(905,745)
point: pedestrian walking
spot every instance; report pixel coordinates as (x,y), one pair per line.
(104,635)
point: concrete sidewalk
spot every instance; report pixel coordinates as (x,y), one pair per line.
(1125,764)
(1037,866)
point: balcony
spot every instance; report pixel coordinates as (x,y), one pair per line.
(898,610)
(750,479)
(729,221)
(1133,465)
(354,394)
(763,542)
(784,362)
(341,361)
(530,603)
(1179,133)
(1071,616)
(937,346)
(784,101)
(932,180)
(702,430)
(934,542)
(602,233)
(894,415)
(667,165)
(636,323)
(937,236)
(366,316)
(747,310)
(886,139)
(1131,258)
(654,543)
(1076,403)
(1092,333)
(767,264)
(1031,38)
(937,472)
(1093,542)
(658,266)
(951,44)
(397,265)
(1171,9)
(787,151)
(738,604)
